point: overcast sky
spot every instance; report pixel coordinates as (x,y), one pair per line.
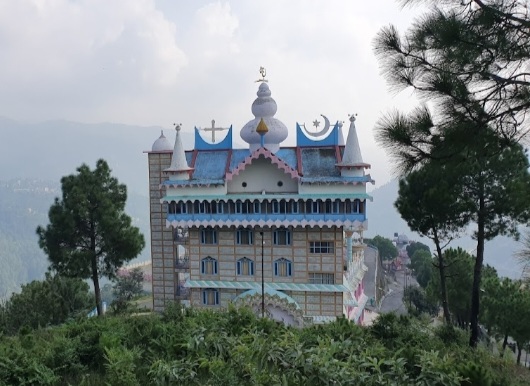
(155,62)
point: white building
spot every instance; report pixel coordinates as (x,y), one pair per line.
(219,214)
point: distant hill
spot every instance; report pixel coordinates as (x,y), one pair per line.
(34,157)
(24,205)
(52,149)
(384,220)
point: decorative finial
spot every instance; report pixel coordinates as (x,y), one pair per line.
(213,129)
(263,73)
(177,126)
(352,117)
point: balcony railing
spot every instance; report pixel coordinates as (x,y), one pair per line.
(182,263)
(182,293)
(235,217)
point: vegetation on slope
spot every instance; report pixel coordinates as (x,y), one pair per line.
(186,346)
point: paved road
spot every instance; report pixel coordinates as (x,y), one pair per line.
(393,301)
(369,281)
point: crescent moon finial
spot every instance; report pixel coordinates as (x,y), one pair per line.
(321,132)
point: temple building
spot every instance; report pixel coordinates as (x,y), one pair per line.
(276,228)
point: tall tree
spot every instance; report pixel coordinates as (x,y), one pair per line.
(89,235)
(429,202)
(416,245)
(467,60)
(387,250)
(421,264)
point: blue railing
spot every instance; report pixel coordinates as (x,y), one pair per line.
(235,217)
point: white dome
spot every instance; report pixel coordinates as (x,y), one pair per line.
(162,144)
(264,107)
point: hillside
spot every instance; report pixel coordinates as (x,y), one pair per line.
(384,220)
(39,154)
(24,206)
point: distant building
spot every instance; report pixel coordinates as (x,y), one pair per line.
(219,214)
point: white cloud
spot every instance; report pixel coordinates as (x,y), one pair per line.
(154,62)
(85,52)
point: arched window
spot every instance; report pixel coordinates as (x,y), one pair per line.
(356,206)
(209,266)
(282,236)
(245,267)
(210,297)
(283,267)
(172,207)
(208,235)
(244,236)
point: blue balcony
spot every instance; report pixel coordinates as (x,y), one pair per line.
(337,219)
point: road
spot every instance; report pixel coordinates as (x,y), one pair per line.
(393,301)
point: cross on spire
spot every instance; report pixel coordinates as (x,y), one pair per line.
(213,129)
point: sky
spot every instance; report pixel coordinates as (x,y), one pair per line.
(156,62)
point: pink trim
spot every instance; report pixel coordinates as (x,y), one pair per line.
(267,154)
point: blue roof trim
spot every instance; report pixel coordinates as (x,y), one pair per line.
(195,182)
(302,140)
(225,144)
(267,197)
(335,179)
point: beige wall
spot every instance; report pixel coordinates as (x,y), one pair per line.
(162,247)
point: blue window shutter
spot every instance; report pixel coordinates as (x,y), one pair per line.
(238,268)
(216,297)
(289,272)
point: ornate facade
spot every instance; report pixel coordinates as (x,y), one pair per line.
(225,220)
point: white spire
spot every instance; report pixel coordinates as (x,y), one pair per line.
(352,164)
(179,169)
(341,134)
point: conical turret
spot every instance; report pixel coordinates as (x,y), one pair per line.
(352,164)
(179,169)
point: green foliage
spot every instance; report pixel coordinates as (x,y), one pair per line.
(418,302)
(90,235)
(43,303)
(127,286)
(387,250)
(421,263)
(192,347)
(415,246)
(467,60)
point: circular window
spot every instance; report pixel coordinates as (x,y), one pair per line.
(280,183)
(244,184)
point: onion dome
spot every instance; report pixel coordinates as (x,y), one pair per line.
(162,143)
(264,108)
